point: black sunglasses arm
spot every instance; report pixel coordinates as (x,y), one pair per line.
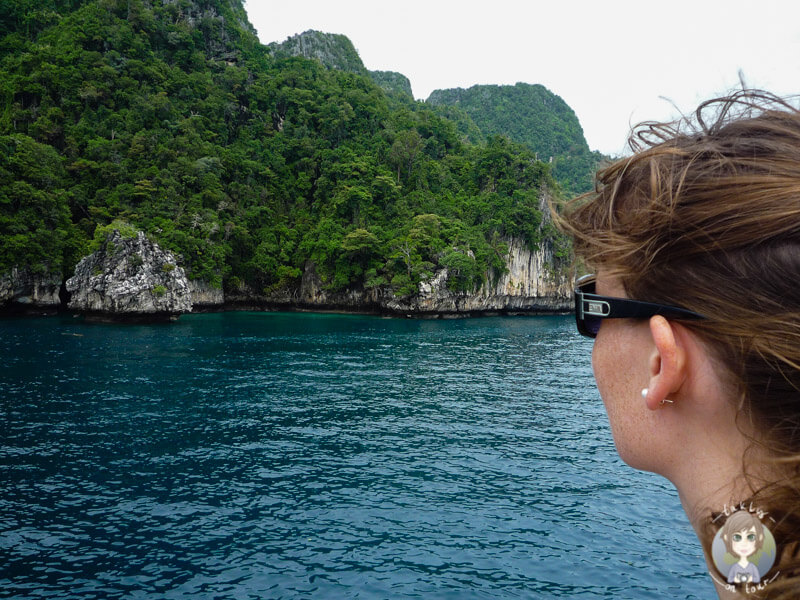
(620,308)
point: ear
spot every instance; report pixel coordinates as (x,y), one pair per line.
(667,363)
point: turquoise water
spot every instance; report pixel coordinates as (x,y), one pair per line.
(268,455)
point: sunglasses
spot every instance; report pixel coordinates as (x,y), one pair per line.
(591,309)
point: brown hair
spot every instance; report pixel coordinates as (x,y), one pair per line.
(706,215)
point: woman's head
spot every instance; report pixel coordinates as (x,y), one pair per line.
(743,534)
(705,215)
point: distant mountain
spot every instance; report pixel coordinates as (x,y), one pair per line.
(527,114)
(336,51)
(333,50)
(530,115)
(392,82)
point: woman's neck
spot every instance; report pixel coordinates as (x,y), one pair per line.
(708,471)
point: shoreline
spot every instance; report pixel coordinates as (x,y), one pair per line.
(14,311)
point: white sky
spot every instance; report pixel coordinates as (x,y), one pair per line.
(612,61)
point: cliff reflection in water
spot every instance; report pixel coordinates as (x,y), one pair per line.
(242,455)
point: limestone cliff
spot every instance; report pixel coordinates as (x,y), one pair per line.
(23,290)
(205,296)
(129,277)
(532,284)
(134,278)
(333,50)
(336,51)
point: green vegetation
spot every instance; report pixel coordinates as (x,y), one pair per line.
(169,117)
(530,115)
(101,233)
(395,83)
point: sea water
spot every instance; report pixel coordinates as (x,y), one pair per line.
(268,455)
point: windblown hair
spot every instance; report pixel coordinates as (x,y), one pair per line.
(706,215)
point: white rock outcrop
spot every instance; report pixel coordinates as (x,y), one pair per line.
(129,277)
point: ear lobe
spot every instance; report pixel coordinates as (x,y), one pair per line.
(667,363)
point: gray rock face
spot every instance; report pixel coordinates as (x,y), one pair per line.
(529,285)
(333,50)
(132,277)
(204,295)
(25,289)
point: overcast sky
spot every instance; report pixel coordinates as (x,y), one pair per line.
(612,61)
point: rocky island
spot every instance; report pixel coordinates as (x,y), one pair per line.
(133,279)
(129,278)
(156,159)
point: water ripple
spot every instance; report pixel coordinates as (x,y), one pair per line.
(291,456)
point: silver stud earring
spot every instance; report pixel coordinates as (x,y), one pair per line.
(644,392)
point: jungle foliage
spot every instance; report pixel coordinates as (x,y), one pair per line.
(170,116)
(534,116)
